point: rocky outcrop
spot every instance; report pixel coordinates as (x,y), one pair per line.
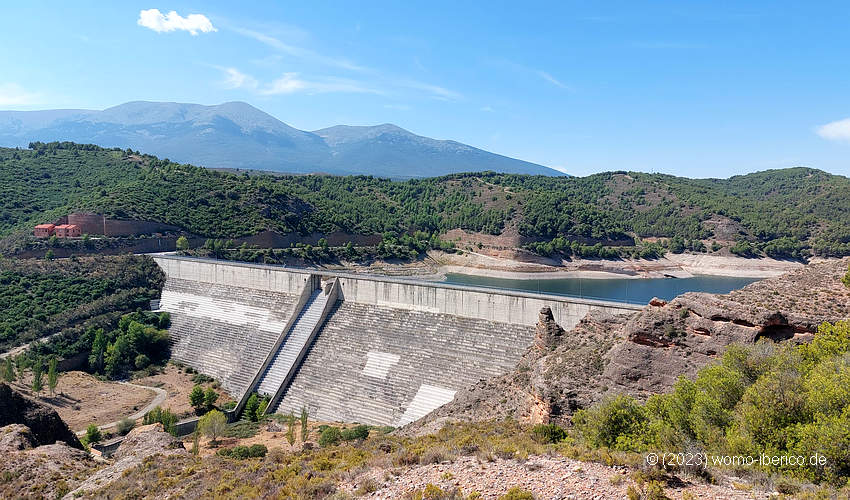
(140,443)
(31,471)
(547,333)
(44,423)
(647,351)
(666,341)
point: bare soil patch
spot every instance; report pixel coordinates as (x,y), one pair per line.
(82,399)
(178,383)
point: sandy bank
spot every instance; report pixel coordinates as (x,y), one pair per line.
(672,265)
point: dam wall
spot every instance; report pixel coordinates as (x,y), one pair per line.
(388,351)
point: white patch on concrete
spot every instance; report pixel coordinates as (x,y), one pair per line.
(225,311)
(428,398)
(378,364)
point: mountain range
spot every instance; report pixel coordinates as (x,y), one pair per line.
(236,135)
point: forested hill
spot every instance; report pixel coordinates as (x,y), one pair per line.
(780,212)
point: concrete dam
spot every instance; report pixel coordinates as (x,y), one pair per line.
(348,347)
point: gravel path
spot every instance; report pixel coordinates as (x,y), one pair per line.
(157,400)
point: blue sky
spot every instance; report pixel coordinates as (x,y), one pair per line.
(702,89)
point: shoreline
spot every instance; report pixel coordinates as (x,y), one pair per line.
(669,266)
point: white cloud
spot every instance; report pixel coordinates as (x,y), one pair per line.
(487,109)
(163,23)
(436,91)
(551,79)
(835,131)
(12,94)
(235,79)
(560,169)
(291,83)
(298,52)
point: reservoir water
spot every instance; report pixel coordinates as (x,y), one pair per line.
(637,291)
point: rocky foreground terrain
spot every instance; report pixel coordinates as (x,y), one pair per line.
(645,352)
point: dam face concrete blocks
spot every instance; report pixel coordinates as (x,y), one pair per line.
(389,350)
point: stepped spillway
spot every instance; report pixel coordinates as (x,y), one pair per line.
(224,331)
(285,358)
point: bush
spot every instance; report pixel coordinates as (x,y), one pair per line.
(330,436)
(778,400)
(616,423)
(359,432)
(93,434)
(125,425)
(846,278)
(517,493)
(548,433)
(162,416)
(243,452)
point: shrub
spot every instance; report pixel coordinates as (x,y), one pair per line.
(330,436)
(162,416)
(846,278)
(616,423)
(125,425)
(142,361)
(548,433)
(93,434)
(517,493)
(243,452)
(359,432)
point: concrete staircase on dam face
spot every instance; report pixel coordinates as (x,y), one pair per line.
(386,366)
(286,357)
(224,331)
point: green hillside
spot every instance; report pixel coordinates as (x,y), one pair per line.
(788,212)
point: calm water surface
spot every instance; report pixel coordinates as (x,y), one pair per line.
(638,291)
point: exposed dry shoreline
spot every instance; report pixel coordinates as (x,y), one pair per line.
(672,265)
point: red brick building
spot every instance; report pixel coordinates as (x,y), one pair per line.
(44,230)
(68,231)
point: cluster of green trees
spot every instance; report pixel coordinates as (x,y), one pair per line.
(392,245)
(567,248)
(163,416)
(201,400)
(330,435)
(139,341)
(69,296)
(766,399)
(782,213)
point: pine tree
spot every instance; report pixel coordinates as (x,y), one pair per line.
(37,377)
(52,376)
(196,398)
(304,431)
(9,371)
(251,407)
(98,350)
(210,397)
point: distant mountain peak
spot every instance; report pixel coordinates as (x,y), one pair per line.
(237,135)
